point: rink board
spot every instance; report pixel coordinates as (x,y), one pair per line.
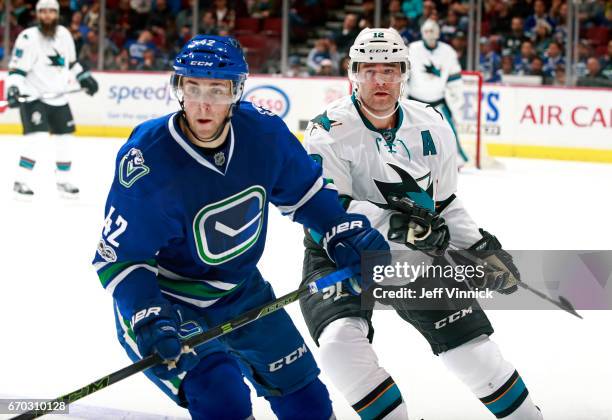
(517,121)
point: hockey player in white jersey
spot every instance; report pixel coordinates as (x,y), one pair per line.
(435,77)
(42,64)
(385,153)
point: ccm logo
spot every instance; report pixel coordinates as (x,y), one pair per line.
(452,318)
(378,50)
(342,227)
(288,359)
(140,315)
(202,63)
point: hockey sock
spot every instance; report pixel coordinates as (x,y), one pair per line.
(215,389)
(30,145)
(308,403)
(348,359)
(63,162)
(480,365)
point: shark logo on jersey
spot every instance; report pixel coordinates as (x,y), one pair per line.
(408,187)
(433,70)
(226,229)
(132,168)
(57,60)
(323,121)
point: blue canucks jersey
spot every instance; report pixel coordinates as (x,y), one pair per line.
(193,229)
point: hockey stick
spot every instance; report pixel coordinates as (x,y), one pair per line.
(215,332)
(562,303)
(22,99)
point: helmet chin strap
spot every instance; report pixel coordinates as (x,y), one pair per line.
(380,117)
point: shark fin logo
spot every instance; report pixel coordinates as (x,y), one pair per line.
(408,187)
(132,168)
(323,121)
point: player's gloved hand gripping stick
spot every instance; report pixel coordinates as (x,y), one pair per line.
(189,344)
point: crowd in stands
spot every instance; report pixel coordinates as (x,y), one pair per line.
(518,37)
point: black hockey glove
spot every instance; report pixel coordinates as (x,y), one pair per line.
(499,271)
(12,97)
(417,227)
(88,83)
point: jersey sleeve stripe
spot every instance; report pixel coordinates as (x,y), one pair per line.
(454,77)
(111,277)
(290,210)
(17,72)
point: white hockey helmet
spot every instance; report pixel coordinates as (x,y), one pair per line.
(47,4)
(430,32)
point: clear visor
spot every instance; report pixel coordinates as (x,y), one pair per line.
(380,75)
(210,94)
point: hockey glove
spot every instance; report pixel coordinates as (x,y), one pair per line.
(500,273)
(156,326)
(417,227)
(88,83)
(12,97)
(345,241)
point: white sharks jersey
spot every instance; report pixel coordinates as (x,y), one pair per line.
(416,159)
(41,65)
(431,70)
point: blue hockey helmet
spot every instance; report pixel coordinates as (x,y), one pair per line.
(211,57)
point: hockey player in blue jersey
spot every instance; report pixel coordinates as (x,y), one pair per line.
(185,226)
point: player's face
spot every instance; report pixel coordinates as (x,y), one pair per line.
(47,16)
(379,85)
(206,102)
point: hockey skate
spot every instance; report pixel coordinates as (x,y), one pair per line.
(67,190)
(22,191)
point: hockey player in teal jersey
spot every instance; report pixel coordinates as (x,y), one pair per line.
(185,226)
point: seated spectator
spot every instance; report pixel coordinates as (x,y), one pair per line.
(542,38)
(323,49)
(260,9)
(490,62)
(606,62)
(149,62)
(559,79)
(296,69)
(326,68)
(208,24)
(399,22)
(460,45)
(121,61)
(500,18)
(522,62)
(539,14)
(584,52)
(137,49)
(507,67)
(449,27)
(512,41)
(226,17)
(429,12)
(593,76)
(344,38)
(413,9)
(185,16)
(552,58)
(537,69)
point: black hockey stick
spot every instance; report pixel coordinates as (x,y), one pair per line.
(562,303)
(215,332)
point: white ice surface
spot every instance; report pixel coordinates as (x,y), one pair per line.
(58,331)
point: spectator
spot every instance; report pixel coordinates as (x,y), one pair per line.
(344,66)
(137,49)
(594,77)
(149,62)
(490,62)
(539,14)
(399,22)
(185,16)
(429,12)
(512,42)
(460,45)
(507,67)
(296,69)
(226,17)
(344,38)
(323,49)
(500,18)
(92,17)
(553,58)
(606,62)
(88,56)
(537,69)
(260,9)
(326,68)
(559,79)
(413,9)
(542,37)
(522,62)
(162,16)
(121,61)
(584,52)
(208,24)
(449,27)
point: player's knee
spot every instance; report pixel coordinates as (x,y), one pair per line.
(479,364)
(215,389)
(340,336)
(311,402)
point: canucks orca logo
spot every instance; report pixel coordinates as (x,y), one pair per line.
(226,229)
(132,168)
(323,121)
(408,187)
(431,69)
